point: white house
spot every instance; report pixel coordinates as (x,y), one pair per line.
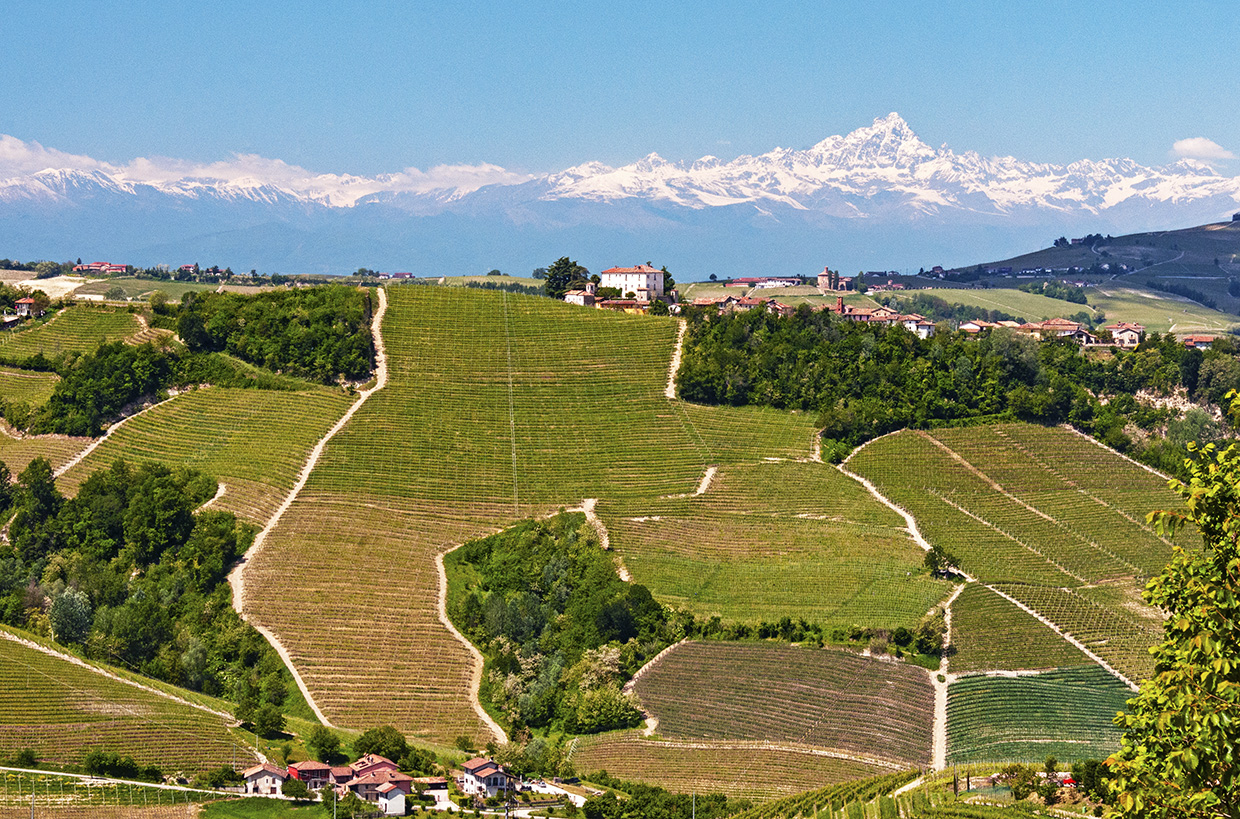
(585,298)
(644,281)
(485,777)
(24,306)
(919,326)
(265,778)
(391,800)
(1126,334)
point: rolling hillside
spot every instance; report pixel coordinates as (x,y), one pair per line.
(1044,515)
(500,407)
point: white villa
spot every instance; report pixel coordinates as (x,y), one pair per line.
(644,281)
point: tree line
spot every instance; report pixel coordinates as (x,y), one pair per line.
(131,572)
(865,380)
(321,334)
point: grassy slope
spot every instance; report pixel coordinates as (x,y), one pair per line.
(253,441)
(61,710)
(801,540)
(1065,713)
(824,697)
(78,329)
(141,288)
(498,407)
(1072,517)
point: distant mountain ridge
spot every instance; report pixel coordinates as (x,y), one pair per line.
(878,196)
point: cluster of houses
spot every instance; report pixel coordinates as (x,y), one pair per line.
(378,780)
(101,267)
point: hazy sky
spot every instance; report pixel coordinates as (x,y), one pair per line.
(371,87)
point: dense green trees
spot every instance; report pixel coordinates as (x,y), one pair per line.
(129,570)
(560,630)
(562,276)
(865,380)
(1181,747)
(320,333)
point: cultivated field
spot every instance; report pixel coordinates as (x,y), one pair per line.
(822,697)
(824,800)
(499,407)
(77,329)
(751,769)
(61,711)
(16,453)
(24,386)
(253,441)
(1039,513)
(1159,312)
(73,796)
(990,633)
(774,539)
(1064,713)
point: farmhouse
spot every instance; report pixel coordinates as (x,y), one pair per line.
(391,800)
(1199,342)
(436,787)
(315,774)
(643,281)
(265,778)
(369,786)
(485,777)
(100,267)
(1126,335)
(24,306)
(919,326)
(585,298)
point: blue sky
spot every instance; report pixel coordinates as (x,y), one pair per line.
(371,87)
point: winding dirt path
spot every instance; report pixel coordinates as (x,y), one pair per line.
(674,367)
(236,578)
(703,485)
(604,537)
(475,672)
(651,663)
(938,746)
(219,493)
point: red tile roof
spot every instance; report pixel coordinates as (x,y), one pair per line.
(641,268)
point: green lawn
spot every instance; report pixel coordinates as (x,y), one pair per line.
(1159,312)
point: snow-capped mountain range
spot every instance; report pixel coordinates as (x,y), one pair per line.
(878,196)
